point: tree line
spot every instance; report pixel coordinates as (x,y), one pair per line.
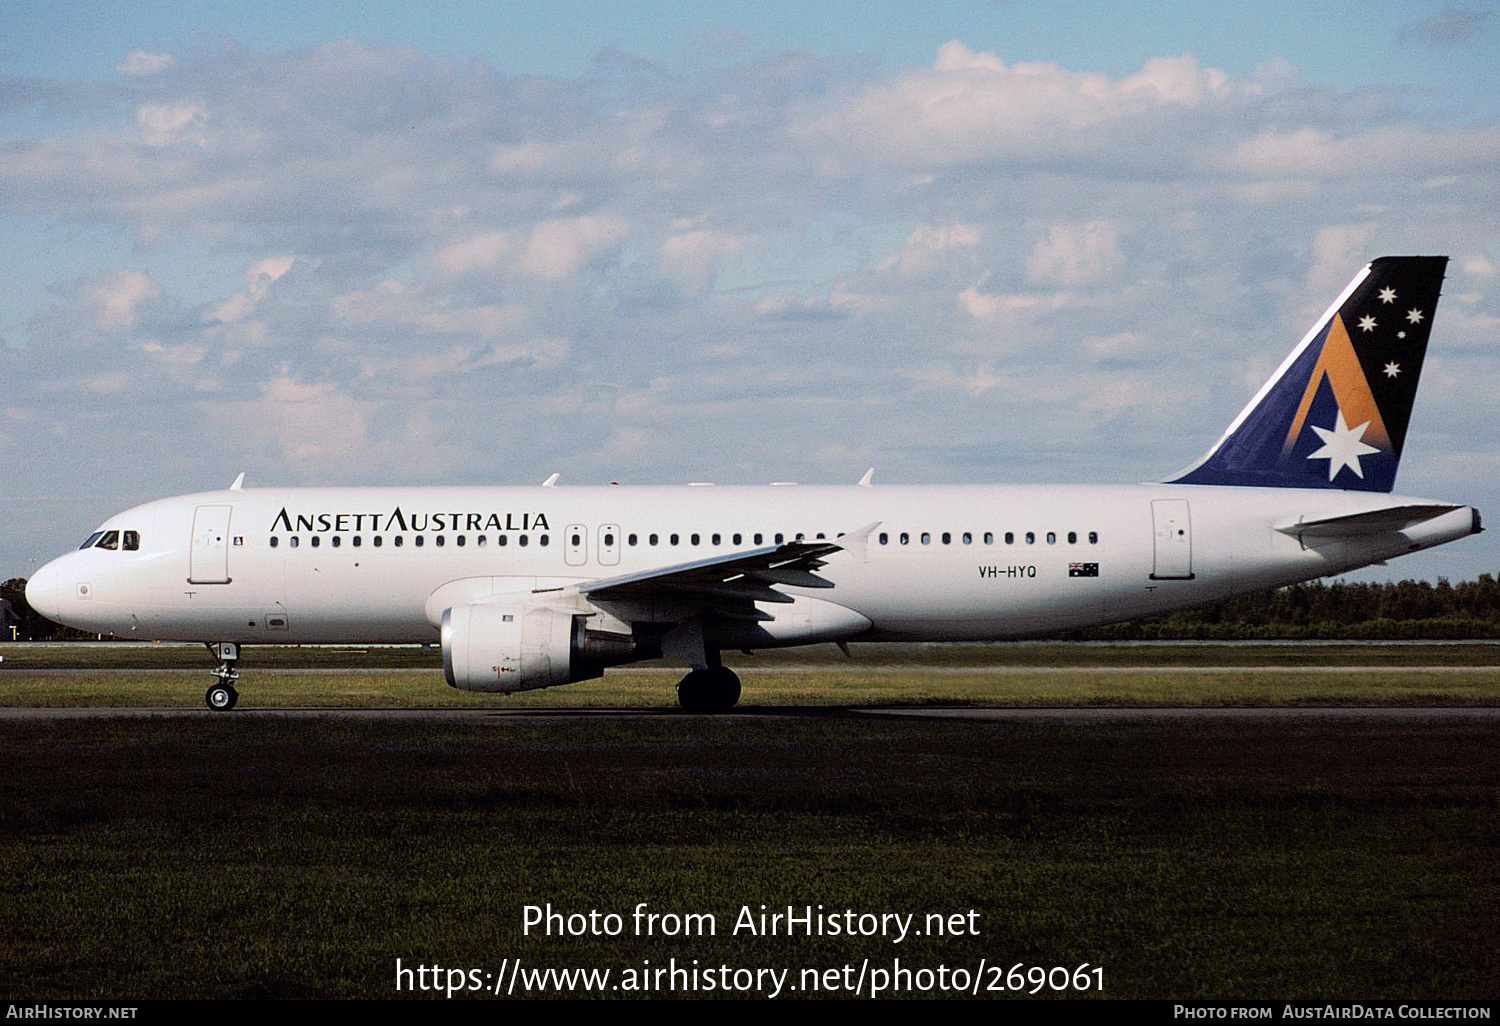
(1396,610)
(1393,610)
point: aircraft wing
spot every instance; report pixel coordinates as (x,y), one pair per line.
(1375,521)
(728,585)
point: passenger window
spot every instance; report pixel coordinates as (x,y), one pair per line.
(356,541)
(968,538)
(631,540)
(759,538)
(522,541)
(544,540)
(335,541)
(482,540)
(316,541)
(419,540)
(293,542)
(441,541)
(400,540)
(738,538)
(1093,537)
(905,538)
(1072,537)
(693,539)
(461,540)
(1051,537)
(885,539)
(1010,537)
(502,540)
(652,539)
(926,538)
(673,539)
(378,540)
(779,537)
(1030,537)
(989,537)
(275,541)
(947,538)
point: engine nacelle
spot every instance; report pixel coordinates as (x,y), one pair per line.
(515,647)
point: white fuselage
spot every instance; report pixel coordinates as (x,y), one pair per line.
(941,563)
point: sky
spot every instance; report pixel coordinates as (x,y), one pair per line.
(654,243)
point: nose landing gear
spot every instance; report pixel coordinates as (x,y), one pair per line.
(222,696)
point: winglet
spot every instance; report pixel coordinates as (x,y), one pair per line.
(1335,413)
(551,482)
(239,483)
(857,542)
(869,474)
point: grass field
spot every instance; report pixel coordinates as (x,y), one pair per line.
(228,856)
(176,676)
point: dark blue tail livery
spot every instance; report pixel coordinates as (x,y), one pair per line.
(1334,415)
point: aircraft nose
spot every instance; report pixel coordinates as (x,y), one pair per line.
(42,593)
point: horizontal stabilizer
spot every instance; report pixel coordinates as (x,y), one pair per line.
(1375,521)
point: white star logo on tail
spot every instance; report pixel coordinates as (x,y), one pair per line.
(1342,447)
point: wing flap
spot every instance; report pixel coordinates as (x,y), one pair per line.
(736,578)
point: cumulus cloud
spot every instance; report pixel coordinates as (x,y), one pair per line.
(972,106)
(692,257)
(259,277)
(139,62)
(163,124)
(1076,254)
(116,298)
(558,248)
(928,247)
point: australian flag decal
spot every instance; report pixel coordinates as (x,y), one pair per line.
(1083,569)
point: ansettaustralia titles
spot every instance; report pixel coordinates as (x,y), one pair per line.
(405,522)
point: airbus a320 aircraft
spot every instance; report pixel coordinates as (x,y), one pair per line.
(538,586)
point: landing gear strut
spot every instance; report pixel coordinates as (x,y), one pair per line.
(222,696)
(711,689)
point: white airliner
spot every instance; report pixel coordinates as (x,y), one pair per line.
(538,586)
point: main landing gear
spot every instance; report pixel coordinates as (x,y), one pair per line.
(222,696)
(710,689)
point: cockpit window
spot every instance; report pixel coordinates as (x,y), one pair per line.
(111,540)
(91,540)
(131,541)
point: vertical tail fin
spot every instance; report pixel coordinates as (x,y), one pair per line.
(1335,413)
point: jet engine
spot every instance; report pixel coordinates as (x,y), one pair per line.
(515,647)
